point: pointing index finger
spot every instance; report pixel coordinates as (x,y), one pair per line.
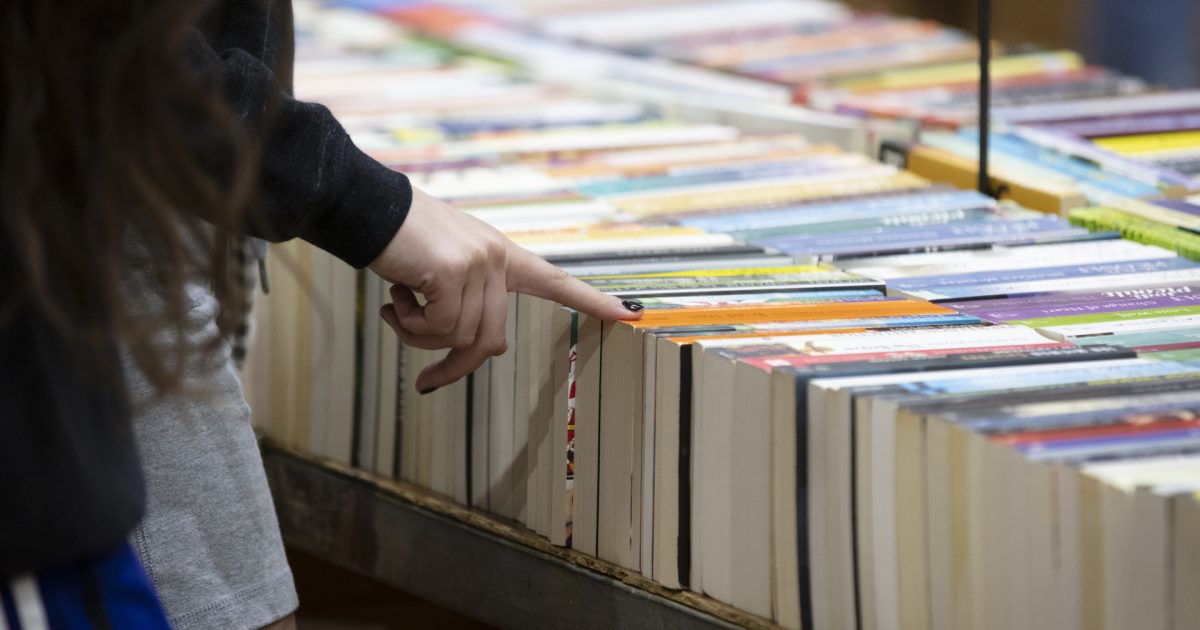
(530,274)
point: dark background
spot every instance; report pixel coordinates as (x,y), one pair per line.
(1154,39)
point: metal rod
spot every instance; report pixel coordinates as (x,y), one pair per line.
(985,91)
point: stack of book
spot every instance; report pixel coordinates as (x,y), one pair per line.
(1151,137)
(1123,163)
(1149,140)
(865,64)
(855,399)
(1045,496)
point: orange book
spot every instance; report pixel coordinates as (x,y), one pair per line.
(782,312)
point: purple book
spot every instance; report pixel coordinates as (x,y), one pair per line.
(1127,125)
(1179,205)
(974,307)
(1108,305)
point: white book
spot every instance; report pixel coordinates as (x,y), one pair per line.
(1108,251)
(502,487)
(1099,107)
(564,248)
(866,170)
(618,27)
(929,259)
(1155,324)
(591,139)
(876,462)
(389,408)
(896,340)
(373,331)
(480,436)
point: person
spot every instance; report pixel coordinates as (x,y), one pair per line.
(87,121)
(141,139)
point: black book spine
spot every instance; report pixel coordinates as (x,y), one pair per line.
(685,466)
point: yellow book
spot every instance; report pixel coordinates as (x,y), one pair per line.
(611,165)
(1001,68)
(600,232)
(1159,214)
(1143,143)
(943,166)
(725,273)
(772,193)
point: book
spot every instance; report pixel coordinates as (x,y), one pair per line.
(799,481)
(715,380)
(1178,240)
(778,433)
(943,166)
(623,373)
(889,536)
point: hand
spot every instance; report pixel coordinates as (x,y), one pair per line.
(465,268)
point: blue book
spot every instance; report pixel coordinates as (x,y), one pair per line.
(816,213)
(716,176)
(1187,275)
(1166,263)
(889,240)
(1084,374)
(1084,172)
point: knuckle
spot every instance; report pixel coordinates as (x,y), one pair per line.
(428,281)
(497,248)
(441,328)
(417,342)
(458,266)
(476,256)
(463,341)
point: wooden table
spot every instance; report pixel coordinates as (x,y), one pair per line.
(468,561)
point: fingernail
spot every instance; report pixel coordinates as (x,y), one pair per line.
(428,390)
(632,305)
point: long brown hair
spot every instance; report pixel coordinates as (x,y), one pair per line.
(101,117)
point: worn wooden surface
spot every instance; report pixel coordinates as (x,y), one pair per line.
(468,561)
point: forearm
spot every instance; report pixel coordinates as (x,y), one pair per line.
(315,184)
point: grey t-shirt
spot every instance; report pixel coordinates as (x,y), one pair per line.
(210,540)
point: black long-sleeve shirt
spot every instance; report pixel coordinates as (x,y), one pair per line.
(70,482)
(316,184)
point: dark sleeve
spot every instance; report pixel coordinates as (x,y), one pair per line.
(316,184)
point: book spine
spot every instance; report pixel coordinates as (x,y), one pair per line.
(1179,276)
(1043,273)
(1019,315)
(1181,242)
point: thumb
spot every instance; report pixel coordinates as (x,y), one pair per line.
(530,274)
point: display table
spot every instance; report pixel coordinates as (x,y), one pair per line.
(465,560)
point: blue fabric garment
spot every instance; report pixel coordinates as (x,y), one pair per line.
(107,591)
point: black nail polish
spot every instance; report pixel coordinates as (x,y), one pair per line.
(632,305)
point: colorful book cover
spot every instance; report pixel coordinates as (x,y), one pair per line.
(1003,276)
(1108,317)
(901,239)
(1093,283)
(757,280)
(910,202)
(784,312)
(1106,306)
(1064,299)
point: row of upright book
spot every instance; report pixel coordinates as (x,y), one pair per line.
(857,398)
